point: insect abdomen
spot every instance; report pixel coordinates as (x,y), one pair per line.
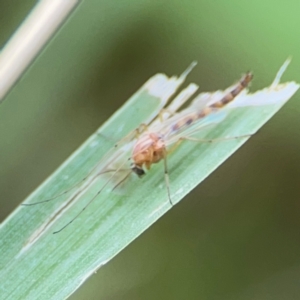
(242,84)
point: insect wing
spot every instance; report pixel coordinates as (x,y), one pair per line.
(210,120)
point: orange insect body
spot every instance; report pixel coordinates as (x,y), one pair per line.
(150,148)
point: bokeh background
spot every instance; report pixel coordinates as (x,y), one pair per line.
(237,235)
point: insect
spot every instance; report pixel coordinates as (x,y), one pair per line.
(152,146)
(152,143)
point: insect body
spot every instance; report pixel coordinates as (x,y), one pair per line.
(151,147)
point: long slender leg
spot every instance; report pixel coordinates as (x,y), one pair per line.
(166,174)
(133,134)
(183,138)
(68,190)
(90,201)
(177,143)
(122,180)
(214,139)
(62,193)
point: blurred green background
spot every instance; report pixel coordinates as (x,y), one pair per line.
(237,235)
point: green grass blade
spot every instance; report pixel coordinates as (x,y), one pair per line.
(35,264)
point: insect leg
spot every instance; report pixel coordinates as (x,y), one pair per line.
(213,139)
(177,143)
(122,180)
(69,189)
(90,201)
(166,174)
(133,134)
(187,138)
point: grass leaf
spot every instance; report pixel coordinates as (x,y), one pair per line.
(35,264)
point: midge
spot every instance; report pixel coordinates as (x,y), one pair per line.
(152,146)
(154,142)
